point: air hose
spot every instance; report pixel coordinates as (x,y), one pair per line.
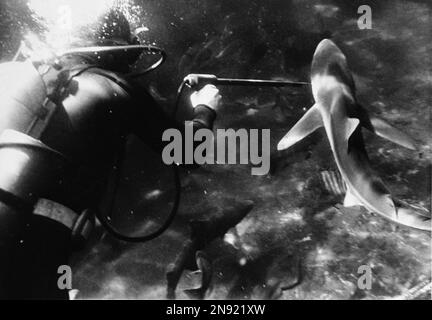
(101,49)
(138,47)
(144,238)
(136,239)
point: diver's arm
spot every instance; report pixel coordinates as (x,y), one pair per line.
(148,121)
(205,103)
(204,117)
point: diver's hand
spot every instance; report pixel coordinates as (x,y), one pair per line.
(209,96)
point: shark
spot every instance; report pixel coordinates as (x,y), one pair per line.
(338,111)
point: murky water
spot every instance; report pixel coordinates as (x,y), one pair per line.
(295,218)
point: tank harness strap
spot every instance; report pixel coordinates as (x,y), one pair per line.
(80,225)
(56,81)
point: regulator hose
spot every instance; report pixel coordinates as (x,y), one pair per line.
(101,49)
(139,47)
(144,238)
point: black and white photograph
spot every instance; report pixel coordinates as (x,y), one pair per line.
(235,151)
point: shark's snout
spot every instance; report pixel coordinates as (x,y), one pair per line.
(325,43)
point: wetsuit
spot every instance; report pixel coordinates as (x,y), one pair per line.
(74,152)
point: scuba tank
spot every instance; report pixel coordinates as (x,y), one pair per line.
(35,233)
(28,168)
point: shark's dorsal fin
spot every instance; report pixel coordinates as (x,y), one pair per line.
(351,200)
(310,121)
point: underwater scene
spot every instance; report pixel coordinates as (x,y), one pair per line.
(284,234)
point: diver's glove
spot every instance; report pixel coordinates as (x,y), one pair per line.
(205,103)
(208,96)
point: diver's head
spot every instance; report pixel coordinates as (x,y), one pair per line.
(113,28)
(110,29)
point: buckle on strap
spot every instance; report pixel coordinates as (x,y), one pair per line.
(80,225)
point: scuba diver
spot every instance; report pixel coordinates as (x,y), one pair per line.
(61,127)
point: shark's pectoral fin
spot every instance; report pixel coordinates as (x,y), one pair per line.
(306,125)
(351,200)
(387,131)
(383,129)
